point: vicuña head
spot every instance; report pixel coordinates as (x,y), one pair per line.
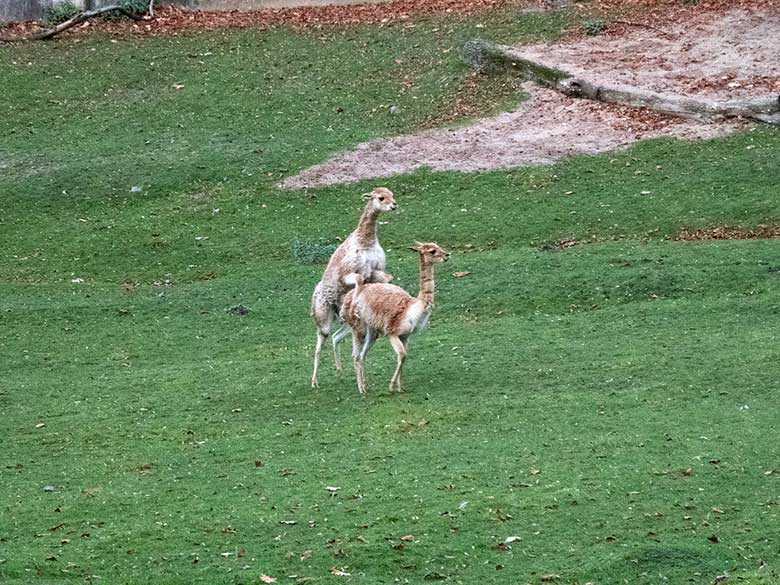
(431,252)
(381,199)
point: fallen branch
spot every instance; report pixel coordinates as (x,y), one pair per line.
(487,56)
(71,22)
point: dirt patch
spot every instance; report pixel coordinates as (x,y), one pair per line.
(544,129)
(726,232)
(721,56)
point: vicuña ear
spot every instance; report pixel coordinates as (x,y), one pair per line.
(417,246)
(367,196)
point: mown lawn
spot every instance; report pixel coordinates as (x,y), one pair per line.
(613,405)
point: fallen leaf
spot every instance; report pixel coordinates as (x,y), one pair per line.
(460,274)
(40,425)
(407,537)
(717,510)
(331,488)
(511,539)
(503,516)
(266,579)
(713,538)
(772,471)
(550,577)
(535,472)
(235,410)
(339,572)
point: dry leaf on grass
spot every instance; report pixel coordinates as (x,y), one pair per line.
(460,274)
(339,572)
(266,579)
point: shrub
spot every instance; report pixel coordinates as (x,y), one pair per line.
(482,56)
(594,26)
(136,7)
(59,13)
(311,251)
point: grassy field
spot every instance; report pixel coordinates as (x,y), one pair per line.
(613,405)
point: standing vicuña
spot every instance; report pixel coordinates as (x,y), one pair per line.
(373,310)
(360,253)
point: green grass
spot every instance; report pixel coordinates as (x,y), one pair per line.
(613,405)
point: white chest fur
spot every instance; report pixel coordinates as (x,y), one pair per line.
(416,317)
(366,260)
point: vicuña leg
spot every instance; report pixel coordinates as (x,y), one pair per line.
(400,352)
(323,316)
(320,340)
(336,338)
(357,343)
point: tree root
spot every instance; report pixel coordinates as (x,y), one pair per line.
(486,56)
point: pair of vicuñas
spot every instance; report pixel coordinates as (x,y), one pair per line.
(355,293)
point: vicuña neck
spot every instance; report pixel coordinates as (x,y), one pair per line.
(366,229)
(426,283)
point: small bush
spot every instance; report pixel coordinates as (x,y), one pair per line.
(136,7)
(311,251)
(59,13)
(482,56)
(594,26)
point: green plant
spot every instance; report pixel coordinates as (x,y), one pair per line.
(482,56)
(594,26)
(136,7)
(60,12)
(311,251)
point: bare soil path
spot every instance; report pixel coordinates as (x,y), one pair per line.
(717,55)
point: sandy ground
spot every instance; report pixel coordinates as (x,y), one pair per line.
(715,55)
(547,127)
(720,56)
